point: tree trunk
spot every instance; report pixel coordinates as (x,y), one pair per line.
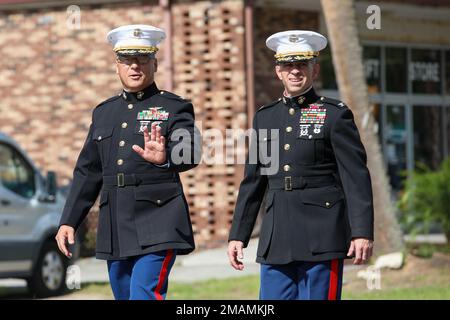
(346,51)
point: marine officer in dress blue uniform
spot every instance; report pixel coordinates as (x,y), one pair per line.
(319,205)
(137,144)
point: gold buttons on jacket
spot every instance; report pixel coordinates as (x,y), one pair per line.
(121,143)
(158,202)
(120,162)
(287,146)
(288,129)
(130,106)
(124,125)
(99,138)
(287,167)
(291,111)
(327,204)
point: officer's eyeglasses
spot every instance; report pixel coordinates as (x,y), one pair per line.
(297,64)
(129,60)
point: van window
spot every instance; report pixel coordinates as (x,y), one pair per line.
(15,173)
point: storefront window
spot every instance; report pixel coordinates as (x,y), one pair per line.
(395,145)
(372,66)
(396,70)
(428,144)
(447,73)
(425,71)
(376,111)
(327,76)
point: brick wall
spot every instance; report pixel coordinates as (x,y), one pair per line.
(208,54)
(52,77)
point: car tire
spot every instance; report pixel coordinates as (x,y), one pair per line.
(49,274)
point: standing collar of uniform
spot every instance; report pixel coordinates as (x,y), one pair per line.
(140,95)
(309,96)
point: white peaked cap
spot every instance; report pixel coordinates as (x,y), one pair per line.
(135,39)
(296,45)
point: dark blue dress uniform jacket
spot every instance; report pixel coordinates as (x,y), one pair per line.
(320,195)
(142,206)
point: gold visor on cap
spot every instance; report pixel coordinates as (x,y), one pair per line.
(136,49)
(295,56)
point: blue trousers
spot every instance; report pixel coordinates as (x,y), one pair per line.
(302,281)
(144,277)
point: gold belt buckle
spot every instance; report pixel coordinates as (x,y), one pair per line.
(288,183)
(120,180)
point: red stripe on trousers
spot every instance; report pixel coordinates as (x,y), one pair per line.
(332,289)
(163,274)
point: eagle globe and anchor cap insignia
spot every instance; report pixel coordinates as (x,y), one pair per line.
(137,33)
(294,38)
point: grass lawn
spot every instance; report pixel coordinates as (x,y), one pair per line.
(423,293)
(247,288)
(233,288)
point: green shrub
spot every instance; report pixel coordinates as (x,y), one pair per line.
(426,199)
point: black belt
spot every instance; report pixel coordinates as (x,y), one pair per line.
(122,180)
(290,183)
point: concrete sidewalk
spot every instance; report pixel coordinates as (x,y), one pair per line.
(213,264)
(197,266)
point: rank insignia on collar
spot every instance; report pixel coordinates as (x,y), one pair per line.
(140,94)
(313,115)
(301,99)
(153,113)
